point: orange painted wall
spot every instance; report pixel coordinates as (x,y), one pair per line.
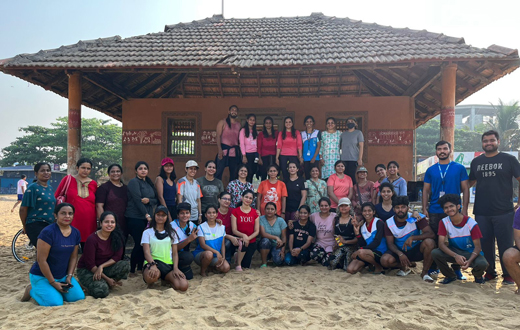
(379,112)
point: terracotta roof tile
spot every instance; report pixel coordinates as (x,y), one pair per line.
(310,40)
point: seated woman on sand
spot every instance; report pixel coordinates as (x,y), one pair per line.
(160,252)
(370,233)
(211,247)
(101,267)
(246,225)
(57,253)
(324,222)
(301,234)
(273,232)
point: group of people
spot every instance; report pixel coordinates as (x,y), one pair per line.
(345,221)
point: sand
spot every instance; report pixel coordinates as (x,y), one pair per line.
(309,297)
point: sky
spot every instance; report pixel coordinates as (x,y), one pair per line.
(31,25)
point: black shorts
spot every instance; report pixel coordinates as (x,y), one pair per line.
(377,257)
(413,254)
(33,230)
(164,268)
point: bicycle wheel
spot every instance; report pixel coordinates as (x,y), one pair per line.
(22,249)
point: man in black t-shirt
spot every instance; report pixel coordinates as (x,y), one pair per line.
(494,212)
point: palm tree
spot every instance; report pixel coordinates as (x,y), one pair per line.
(506,125)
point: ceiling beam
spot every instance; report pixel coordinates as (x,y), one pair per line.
(108,86)
(424,81)
(373,88)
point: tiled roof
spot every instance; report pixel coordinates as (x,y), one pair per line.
(218,42)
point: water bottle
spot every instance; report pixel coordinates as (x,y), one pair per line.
(419,195)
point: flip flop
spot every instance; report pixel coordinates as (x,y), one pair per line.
(263,266)
(239,269)
(403,272)
(427,278)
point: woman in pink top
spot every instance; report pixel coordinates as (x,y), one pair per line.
(248,146)
(339,185)
(324,222)
(289,148)
(266,147)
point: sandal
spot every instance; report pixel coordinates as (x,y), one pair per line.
(263,266)
(239,269)
(403,272)
(428,279)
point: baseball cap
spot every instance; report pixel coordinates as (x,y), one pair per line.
(161,208)
(192,163)
(166,161)
(362,169)
(352,118)
(344,201)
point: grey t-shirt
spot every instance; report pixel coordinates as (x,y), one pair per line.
(210,191)
(350,145)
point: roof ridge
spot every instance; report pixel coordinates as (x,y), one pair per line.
(320,16)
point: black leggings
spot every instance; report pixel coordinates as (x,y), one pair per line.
(266,162)
(249,250)
(185,260)
(136,228)
(33,230)
(284,162)
(251,165)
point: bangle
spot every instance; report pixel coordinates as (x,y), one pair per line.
(283,212)
(401,255)
(69,275)
(474,253)
(52,282)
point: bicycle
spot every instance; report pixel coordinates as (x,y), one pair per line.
(22,249)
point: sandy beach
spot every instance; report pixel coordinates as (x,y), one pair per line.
(309,297)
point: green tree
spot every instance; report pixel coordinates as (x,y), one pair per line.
(506,125)
(429,134)
(100,141)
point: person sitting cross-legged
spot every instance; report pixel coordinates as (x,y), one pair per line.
(370,233)
(464,247)
(408,240)
(512,255)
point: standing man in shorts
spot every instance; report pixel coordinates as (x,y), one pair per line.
(351,143)
(494,172)
(408,241)
(227,143)
(21,186)
(445,177)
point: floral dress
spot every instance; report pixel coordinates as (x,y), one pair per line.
(316,190)
(329,152)
(236,188)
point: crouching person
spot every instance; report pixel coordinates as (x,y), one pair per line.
(408,240)
(160,252)
(211,247)
(512,255)
(100,267)
(464,236)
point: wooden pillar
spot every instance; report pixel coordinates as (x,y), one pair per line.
(74,133)
(449,86)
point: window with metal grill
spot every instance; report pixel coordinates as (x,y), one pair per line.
(181,137)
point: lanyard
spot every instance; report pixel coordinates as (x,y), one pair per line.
(443,175)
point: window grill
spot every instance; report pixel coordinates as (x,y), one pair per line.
(181,135)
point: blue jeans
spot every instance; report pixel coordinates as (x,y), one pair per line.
(46,295)
(274,254)
(302,258)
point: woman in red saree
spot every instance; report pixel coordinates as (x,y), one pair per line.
(80,191)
